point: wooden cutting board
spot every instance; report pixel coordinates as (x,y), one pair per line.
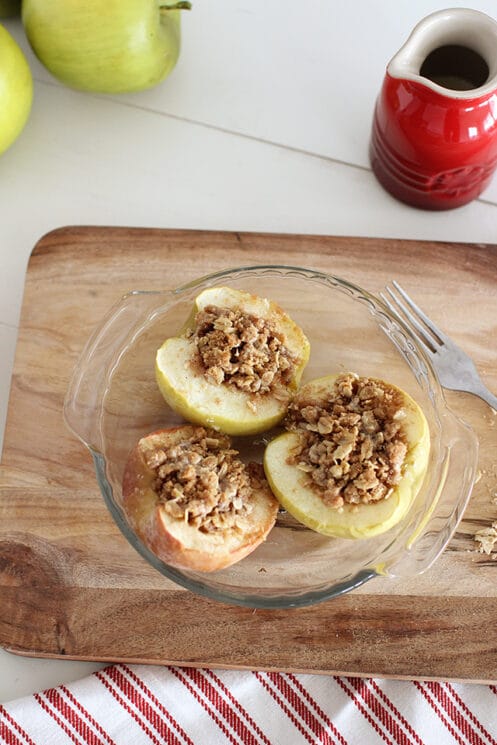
(70,585)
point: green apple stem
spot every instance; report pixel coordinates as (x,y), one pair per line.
(180,5)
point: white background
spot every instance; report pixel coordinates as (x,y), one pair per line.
(264,125)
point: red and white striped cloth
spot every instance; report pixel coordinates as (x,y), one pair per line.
(131,705)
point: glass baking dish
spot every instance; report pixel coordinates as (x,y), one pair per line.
(113,400)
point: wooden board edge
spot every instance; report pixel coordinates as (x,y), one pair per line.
(131,660)
(62,235)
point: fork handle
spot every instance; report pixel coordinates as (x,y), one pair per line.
(482,392)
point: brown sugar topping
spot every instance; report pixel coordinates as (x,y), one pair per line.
(352,444)
(201,481)
(242,350)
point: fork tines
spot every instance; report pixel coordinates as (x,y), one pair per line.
(423,327)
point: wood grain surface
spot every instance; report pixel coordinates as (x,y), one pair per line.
(70,585)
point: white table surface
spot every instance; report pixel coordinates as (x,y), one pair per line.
(263,125)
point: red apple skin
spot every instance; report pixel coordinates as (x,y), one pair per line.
(175,542)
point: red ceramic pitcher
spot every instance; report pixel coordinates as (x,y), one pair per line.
(434,138)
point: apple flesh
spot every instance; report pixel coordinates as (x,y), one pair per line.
(112,47)
(222,406)
(291,487)
(174,540)
(16,90)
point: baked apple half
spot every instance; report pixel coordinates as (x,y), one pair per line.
(236,364)
(353,458)
(193,502)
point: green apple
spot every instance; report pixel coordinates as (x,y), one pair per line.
(16,90)
(9,8)
(291,486)
(114,46)
(222,405)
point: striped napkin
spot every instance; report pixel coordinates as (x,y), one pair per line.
(135,704)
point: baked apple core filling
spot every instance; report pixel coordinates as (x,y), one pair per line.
(352,443)
(201,482)
(242,350)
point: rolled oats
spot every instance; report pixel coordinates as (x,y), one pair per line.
(352,445)
(201,481)
(242,350)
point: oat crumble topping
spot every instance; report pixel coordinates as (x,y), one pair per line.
(201,481)
(352,445)
(242,350)
(487,538)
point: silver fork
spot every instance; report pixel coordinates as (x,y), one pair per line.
(454,368)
